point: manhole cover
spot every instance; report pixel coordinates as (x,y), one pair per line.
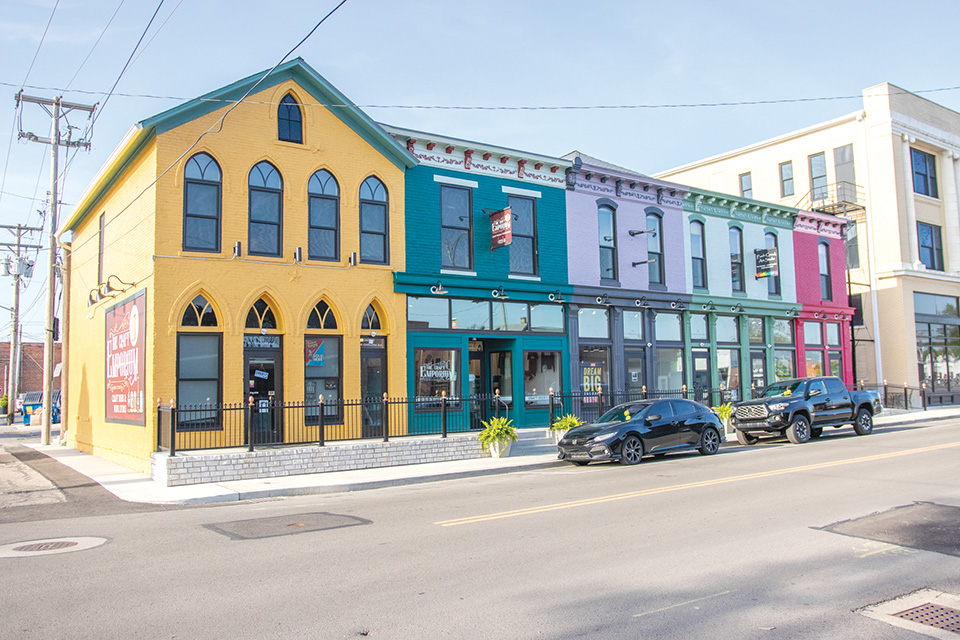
(48,547)
(284,525)
(922,525)
(933,615)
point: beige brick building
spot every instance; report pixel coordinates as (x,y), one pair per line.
(892,168)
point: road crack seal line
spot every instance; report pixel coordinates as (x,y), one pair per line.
(690,485)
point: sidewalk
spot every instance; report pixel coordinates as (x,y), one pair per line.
(138,487)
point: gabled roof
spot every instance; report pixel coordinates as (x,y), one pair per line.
(295,70)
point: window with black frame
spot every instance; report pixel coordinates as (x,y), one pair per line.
(826,284)
(924,167)
(322,373)
(727,330)
(931,246)
(523,246)
(456,228)
(374,222)
(199,367)
(655,247)
(289,120)
(698,254)
(938,341)
(266,205)
(773,282)
(541,373)
(435,372)
(606,219)
(736,259)
(784,353)
(323,242)
(201,204)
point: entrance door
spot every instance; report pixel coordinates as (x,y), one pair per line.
(701,377)
(501,378)
(373,384)
(477,384)
(758,370)
(635,372)
(264,367)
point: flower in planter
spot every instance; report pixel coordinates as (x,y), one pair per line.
(497,430)
(566,422)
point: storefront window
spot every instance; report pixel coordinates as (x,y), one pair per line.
(836,363)
(633,325)
(698,328)
(813,334)
(541,372)
(198,370)
(783,364)
(510,316)
(501,375)
(728,329)
(668,328)
(435,371)
(669,369)
(814,363)
(593,323)
(728,367)
(833,334)
(594,369)
(546,317)
(427,313)
(755,328)
(938,356)
(470,315)
(322,375)
(783,332)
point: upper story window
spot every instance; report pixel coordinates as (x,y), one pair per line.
(655,247)
(931,248)
(818,176)
(201,204)
(289,120)
(698,253)
(199,313)
(786,179)
(321,317)
(266,202)
(607,221)
(736,258)
(826,286)
(260,316)
(374,222)
(746,185)
(924,173)
(456,228)
(523,247)
(773,282)
(323,242)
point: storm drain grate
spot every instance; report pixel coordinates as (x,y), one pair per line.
(933,615)
(45,546)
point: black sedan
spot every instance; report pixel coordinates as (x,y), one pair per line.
(646,427)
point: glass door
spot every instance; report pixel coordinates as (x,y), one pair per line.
(264,385)
(635,372)
(477,386)
(701,377)
(373,384)
(501,378)
(758,370)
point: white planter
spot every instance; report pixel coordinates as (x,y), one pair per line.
(557,434)
(500,448)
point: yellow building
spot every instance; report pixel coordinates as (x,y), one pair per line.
(238,254)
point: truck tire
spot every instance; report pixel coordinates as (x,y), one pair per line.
(799,430)
(863,425)
(746,439)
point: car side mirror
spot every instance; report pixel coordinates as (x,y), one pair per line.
(814,392)
(654,417)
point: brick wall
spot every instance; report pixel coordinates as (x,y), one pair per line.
(31,366)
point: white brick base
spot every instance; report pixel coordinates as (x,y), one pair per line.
(195,467)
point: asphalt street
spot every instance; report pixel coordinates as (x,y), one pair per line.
(743,544)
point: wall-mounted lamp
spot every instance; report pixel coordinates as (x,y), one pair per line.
(556,296)
(816,314)
(836,316)
(792,313)
(499,294)
(708,306)
(438,289)
(642,302)
(643,262)
(298,255)
(636,232)
(236,249)
(94,297)
(737,308)
(677,304)
(604,299)
(119,287)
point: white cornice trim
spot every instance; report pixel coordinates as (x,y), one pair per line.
(473,184)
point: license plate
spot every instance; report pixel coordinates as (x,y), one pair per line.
(579,455)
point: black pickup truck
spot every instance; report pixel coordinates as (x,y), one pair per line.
(802,407)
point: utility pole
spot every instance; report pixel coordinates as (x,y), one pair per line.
(19,268)
(59,110)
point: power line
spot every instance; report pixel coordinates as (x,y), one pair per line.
(90,53)
(159,29)
(40,45)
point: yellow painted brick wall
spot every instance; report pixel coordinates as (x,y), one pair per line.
(249,135)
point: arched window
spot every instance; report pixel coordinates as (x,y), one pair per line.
(289,120)
(199,313)
(201,204)
(261,316)
(826,286)
(371,321)
(655,247)
(607,226)
(698,255)
(736,259)
(322,317)
(374,221)
(773,281)
(266,198)
(324,232)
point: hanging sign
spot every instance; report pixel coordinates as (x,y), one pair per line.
(768,263)
(260,373)
(126,355)
(501,228)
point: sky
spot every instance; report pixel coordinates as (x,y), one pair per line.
(444,53)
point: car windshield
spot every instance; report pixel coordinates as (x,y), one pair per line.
(785,388)
(619,414)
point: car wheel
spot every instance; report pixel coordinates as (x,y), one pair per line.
(799,430)
(631,451)
(746,439)
(864,424)
(816,432)
(709,442)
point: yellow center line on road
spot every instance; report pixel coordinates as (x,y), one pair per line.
(674,606)
(690,485)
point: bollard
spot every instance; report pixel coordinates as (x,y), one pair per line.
(249,423)
(643,392)
(443,414)
(383,418)
(923,395)
(683,389)
(551,418)
(599,400)
(173,428)
(906,396)
(322,420)
(885,403)
(496,403)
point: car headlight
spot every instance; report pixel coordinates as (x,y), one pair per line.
(778,406)
(604,437)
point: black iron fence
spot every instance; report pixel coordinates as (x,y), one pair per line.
(266,423)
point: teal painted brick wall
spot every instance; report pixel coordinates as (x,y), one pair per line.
(423,226)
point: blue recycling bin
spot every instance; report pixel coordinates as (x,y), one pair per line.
(33,404)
